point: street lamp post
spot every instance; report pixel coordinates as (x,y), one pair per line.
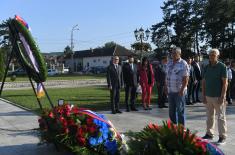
(141,35)
(75,27)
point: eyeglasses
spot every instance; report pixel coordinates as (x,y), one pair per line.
(116,59)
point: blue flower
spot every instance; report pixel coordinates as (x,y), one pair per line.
(100,140)
(111,147)
(93,141)
(105,136)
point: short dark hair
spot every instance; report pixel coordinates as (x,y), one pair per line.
(130,56)
(164,57)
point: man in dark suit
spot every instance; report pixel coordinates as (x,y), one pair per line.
(131,81)
(198,78)
(115,82)
(160,77)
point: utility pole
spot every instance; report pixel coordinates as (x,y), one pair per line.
(72,46)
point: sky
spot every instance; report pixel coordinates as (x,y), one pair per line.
(99,21)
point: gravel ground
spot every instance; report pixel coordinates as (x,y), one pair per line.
(55,84)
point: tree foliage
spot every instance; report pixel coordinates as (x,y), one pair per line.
(67,50)
(110,44)
(196,25)
(144,46)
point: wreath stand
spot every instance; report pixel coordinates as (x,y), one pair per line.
(16,51)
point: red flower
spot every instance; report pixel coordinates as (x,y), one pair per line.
(70,122)
(59,110)
(80,132)
(75,110)
(81,141)
(63,121)
(51,115)
(67,110)
(153,126)
(92,129)
(202,145)
(169,124)
(89,121)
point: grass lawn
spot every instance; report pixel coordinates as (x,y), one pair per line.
(61,77)
(94,98)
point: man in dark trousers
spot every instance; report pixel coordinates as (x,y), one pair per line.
(232,90)
(115,82)
(191,82)
(131,80)
(198,78)
(160,77)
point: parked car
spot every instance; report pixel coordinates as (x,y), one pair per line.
(51,72)
(19,71)
(65,70)
(98,70)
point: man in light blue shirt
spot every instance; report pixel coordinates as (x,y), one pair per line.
(177,80)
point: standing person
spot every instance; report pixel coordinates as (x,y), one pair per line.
(131,81)
(214,85)
(229,73)
(232,91)
(177,80)
(146,81)
(198,78)
(191,81)
(115,82)
(160,77)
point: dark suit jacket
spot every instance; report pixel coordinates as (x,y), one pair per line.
(130,77)
(114,76)
(197,71)
(160,74)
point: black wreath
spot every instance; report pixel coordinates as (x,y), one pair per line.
(25,60)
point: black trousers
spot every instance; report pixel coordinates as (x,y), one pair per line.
(228,95)
(196,89)
(130,91)
(161,95)
(115,97)
(189,91)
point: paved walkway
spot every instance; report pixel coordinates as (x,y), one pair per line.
(25,141)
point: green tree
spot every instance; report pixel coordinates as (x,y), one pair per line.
(2,63)
(141,47)
(110,44)
(176,25)
(67,50)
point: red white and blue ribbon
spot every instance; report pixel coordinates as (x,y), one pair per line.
(95,116)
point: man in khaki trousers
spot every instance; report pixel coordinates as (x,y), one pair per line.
(214,86)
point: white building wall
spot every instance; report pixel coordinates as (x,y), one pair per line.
(103,61)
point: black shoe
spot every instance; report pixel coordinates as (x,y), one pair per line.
(134,109)
(165,106)
(221,141)
(209,137)
(189,103)
(198,101)
(118,111)
(160,106)
(194,102)
(113,112)
(149,108)
(127,110)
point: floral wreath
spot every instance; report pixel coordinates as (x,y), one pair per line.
(29,52)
